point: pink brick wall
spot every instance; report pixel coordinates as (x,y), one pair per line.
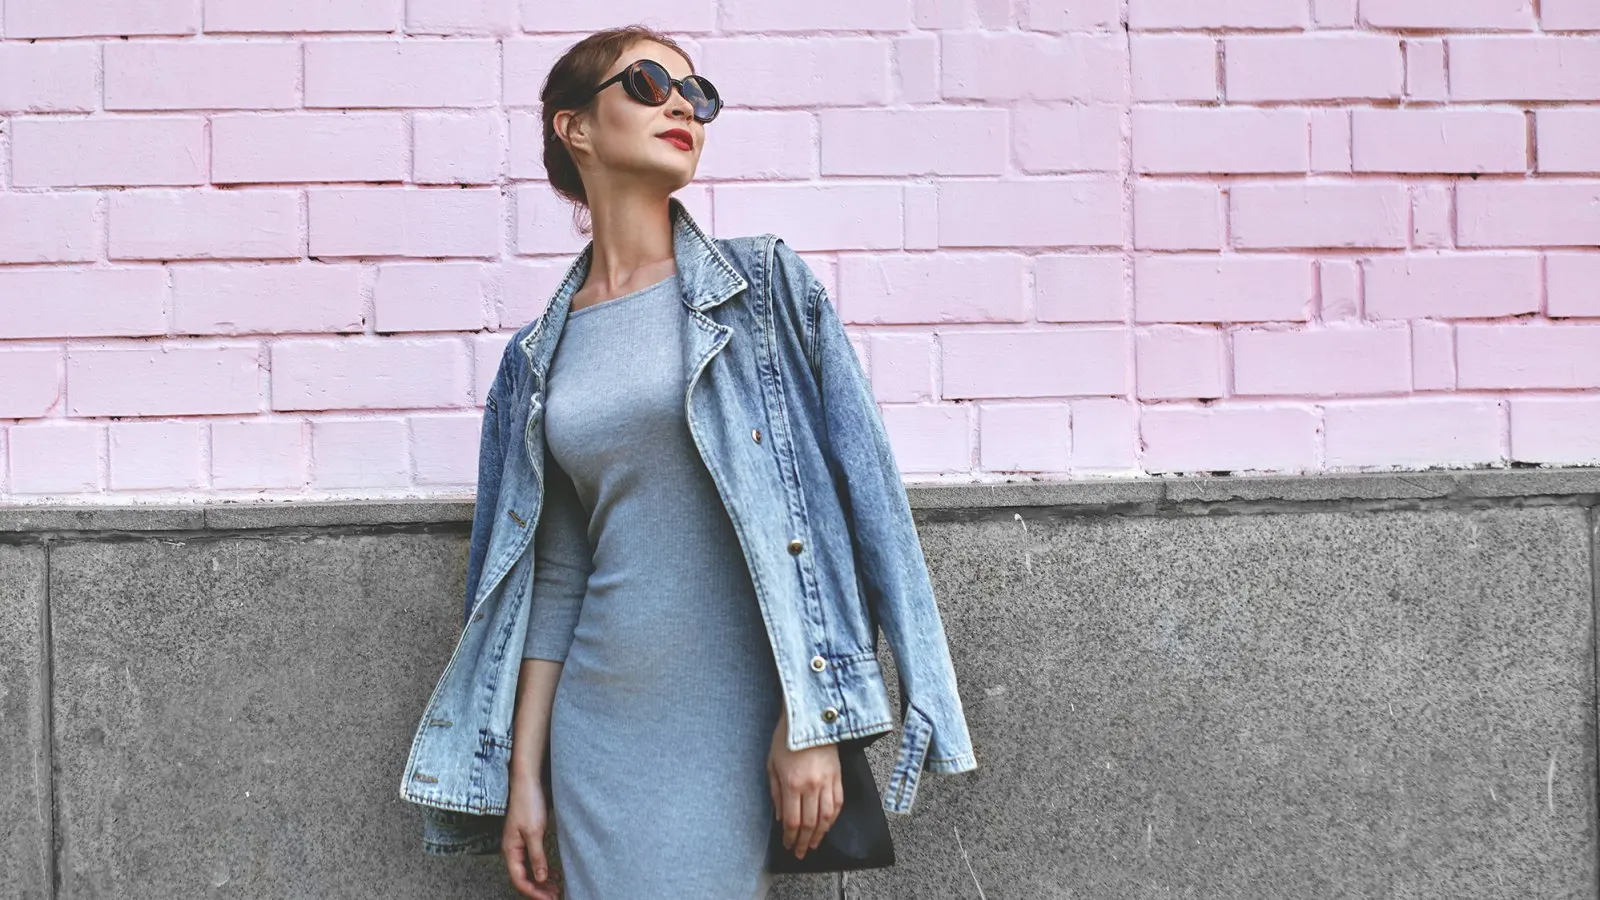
(1073,238)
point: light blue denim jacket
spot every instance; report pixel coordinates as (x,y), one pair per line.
(788,427)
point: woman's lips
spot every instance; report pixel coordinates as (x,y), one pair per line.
(677,141)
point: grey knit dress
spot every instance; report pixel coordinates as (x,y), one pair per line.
(669,695)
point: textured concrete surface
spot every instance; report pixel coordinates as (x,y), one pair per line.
(1269,687)
(24,754)
(1322,705)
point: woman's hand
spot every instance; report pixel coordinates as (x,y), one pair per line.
(807,792)
(523,840)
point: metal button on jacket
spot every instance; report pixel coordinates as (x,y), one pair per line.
(756,435)
(818,664)
(830,714)
(795,546)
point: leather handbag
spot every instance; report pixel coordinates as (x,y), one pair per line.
(859,837)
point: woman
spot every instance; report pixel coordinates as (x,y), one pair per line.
(644,613)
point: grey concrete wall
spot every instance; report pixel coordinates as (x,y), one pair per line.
(1375,686)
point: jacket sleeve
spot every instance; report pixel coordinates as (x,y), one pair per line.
(491,459)
(888,551)
(562,564)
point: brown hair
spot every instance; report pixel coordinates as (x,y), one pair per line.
(569,86)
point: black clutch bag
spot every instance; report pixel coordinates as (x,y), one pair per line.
(859,837)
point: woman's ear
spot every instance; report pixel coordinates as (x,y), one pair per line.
(572,130)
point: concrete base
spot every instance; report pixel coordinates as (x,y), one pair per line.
(1371,686)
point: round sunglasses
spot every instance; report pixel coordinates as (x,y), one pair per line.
(648,82)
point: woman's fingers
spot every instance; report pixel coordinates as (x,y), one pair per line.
(828,803)
(808,820)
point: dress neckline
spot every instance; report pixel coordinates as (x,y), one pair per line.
(647,289)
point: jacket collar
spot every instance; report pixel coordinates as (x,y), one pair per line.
(708,278)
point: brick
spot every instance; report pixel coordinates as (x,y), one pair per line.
(303,15)
(1556,430)
(431,297)
(57,227)
(813,217)
(1177,363)
(1068,139)
(308,297)
(1055,362)
(1432,211)
(916,69)
(1528,356)
(1080,15)
(1569,15)
(460,73)
(1433,356)
(525,134)
(1173,67)
(258,454)
(920,202)
(1263,14)
(1004,66)
(817,15)
(1335,214)
(453,148)
(1080,288)
(1440,15)
(1105,435)
(309,147)
(1169,140)
(1451,286)
(120,151)
(154,455)
(1275,439)
(1340,284)
(206,74)
(1440,140)
(934,288)
(939,141)
(1030,213)
(463,16)
(801,73)
(954,15)
(1413,433)
(749,145)
(1209,288)
(675,17)
(74,302)
(1515,67)
(32,376)
(929,438)
(1574,284)
(486,352)
(444,448)
(57,458)
(1527,214)
(1569,140)
(360,453)
(49,77)
(544,222)
(526,288)
(169,379)
(1425,70)
(902,367)
(314,374)
(99,18)
(1025,437)
(255,224)
(1334,13)
(1330,140)
(1325,362)
(394,221)
(1321,66)
(1177,216)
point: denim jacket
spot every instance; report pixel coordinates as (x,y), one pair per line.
(783,416)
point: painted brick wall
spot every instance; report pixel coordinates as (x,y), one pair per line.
(274,249)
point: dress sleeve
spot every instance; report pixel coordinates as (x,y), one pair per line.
(562,563)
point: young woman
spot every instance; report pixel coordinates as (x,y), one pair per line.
(653,726)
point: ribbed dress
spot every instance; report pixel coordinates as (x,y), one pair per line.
(669,695)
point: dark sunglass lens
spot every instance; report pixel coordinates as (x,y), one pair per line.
(703,95)
(651,82)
